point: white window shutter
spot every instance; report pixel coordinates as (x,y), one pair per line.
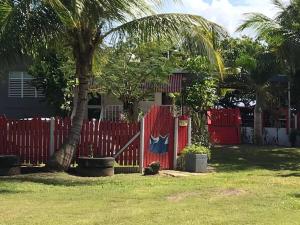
(20,86)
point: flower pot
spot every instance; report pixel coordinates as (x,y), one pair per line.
(196,163)
(183,123)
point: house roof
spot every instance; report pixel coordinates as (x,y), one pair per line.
(172,86)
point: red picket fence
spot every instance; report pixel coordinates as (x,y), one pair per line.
(104,138)
(224,126)
(30,139)
(27,138)
(35,140)
(159,123)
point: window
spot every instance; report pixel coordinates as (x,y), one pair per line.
(19,86)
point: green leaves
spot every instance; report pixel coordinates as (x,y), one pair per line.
(282,33)
(63,13)
(5,11)
(130,66)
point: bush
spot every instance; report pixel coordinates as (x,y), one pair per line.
(197,149)
(201,138)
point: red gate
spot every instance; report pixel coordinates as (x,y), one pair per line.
(224,126)
(159,129)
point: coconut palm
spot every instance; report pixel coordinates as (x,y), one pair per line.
(282,33)
(251,65)
(85,26)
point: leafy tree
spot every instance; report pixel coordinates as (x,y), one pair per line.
(132,72)
(282,34)
(201,94)
(54,73)
(251,64)
(85,26)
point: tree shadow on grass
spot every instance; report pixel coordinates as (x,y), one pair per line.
(56,179)
(250,157)
(295,195)
(4,191)
(296,174)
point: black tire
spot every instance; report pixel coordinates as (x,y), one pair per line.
(85,162)
(7,161)
(10,171)
(95,172)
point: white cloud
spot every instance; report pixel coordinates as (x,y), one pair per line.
(224,12)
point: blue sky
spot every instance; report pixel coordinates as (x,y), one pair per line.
(228,13)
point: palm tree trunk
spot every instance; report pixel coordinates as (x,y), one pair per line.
(258,126)
(61,159)
(75,101)
(131,110)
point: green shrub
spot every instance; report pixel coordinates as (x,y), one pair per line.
(197,149)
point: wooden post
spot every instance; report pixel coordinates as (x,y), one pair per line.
(51,142)
(142,145)
(190,132)
(175,143)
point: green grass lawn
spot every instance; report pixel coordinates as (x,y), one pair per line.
(250,186)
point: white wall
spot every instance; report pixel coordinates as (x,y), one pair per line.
(158,98)
(271,136)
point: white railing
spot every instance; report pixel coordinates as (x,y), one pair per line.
(111,112)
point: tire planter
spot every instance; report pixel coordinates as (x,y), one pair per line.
(95,167)
(9,165)
(196,163)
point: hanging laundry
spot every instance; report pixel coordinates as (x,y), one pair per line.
(159,144)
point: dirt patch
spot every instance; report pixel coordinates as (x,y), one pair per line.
(232,192)
(181,196)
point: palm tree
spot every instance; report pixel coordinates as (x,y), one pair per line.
(252,65)
(282,35)
(85,26)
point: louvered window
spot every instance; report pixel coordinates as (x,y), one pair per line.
(20,86)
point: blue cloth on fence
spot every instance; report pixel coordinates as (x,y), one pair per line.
(159,144)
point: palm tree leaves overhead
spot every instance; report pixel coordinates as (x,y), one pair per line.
(106,20)
(282,33)
(191,32)
(64,14)
(5,11)
(146,28)
(262,24)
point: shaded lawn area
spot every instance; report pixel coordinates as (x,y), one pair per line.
(252,185)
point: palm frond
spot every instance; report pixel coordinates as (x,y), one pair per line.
(279,4)
(5,11)
(173,27)
(262,24)
(64,14)
(200,43)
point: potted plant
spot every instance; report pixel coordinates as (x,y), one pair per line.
(195,157)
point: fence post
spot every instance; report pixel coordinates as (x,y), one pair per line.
(175,143)
(51,142)
(190,132)
(142,144)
